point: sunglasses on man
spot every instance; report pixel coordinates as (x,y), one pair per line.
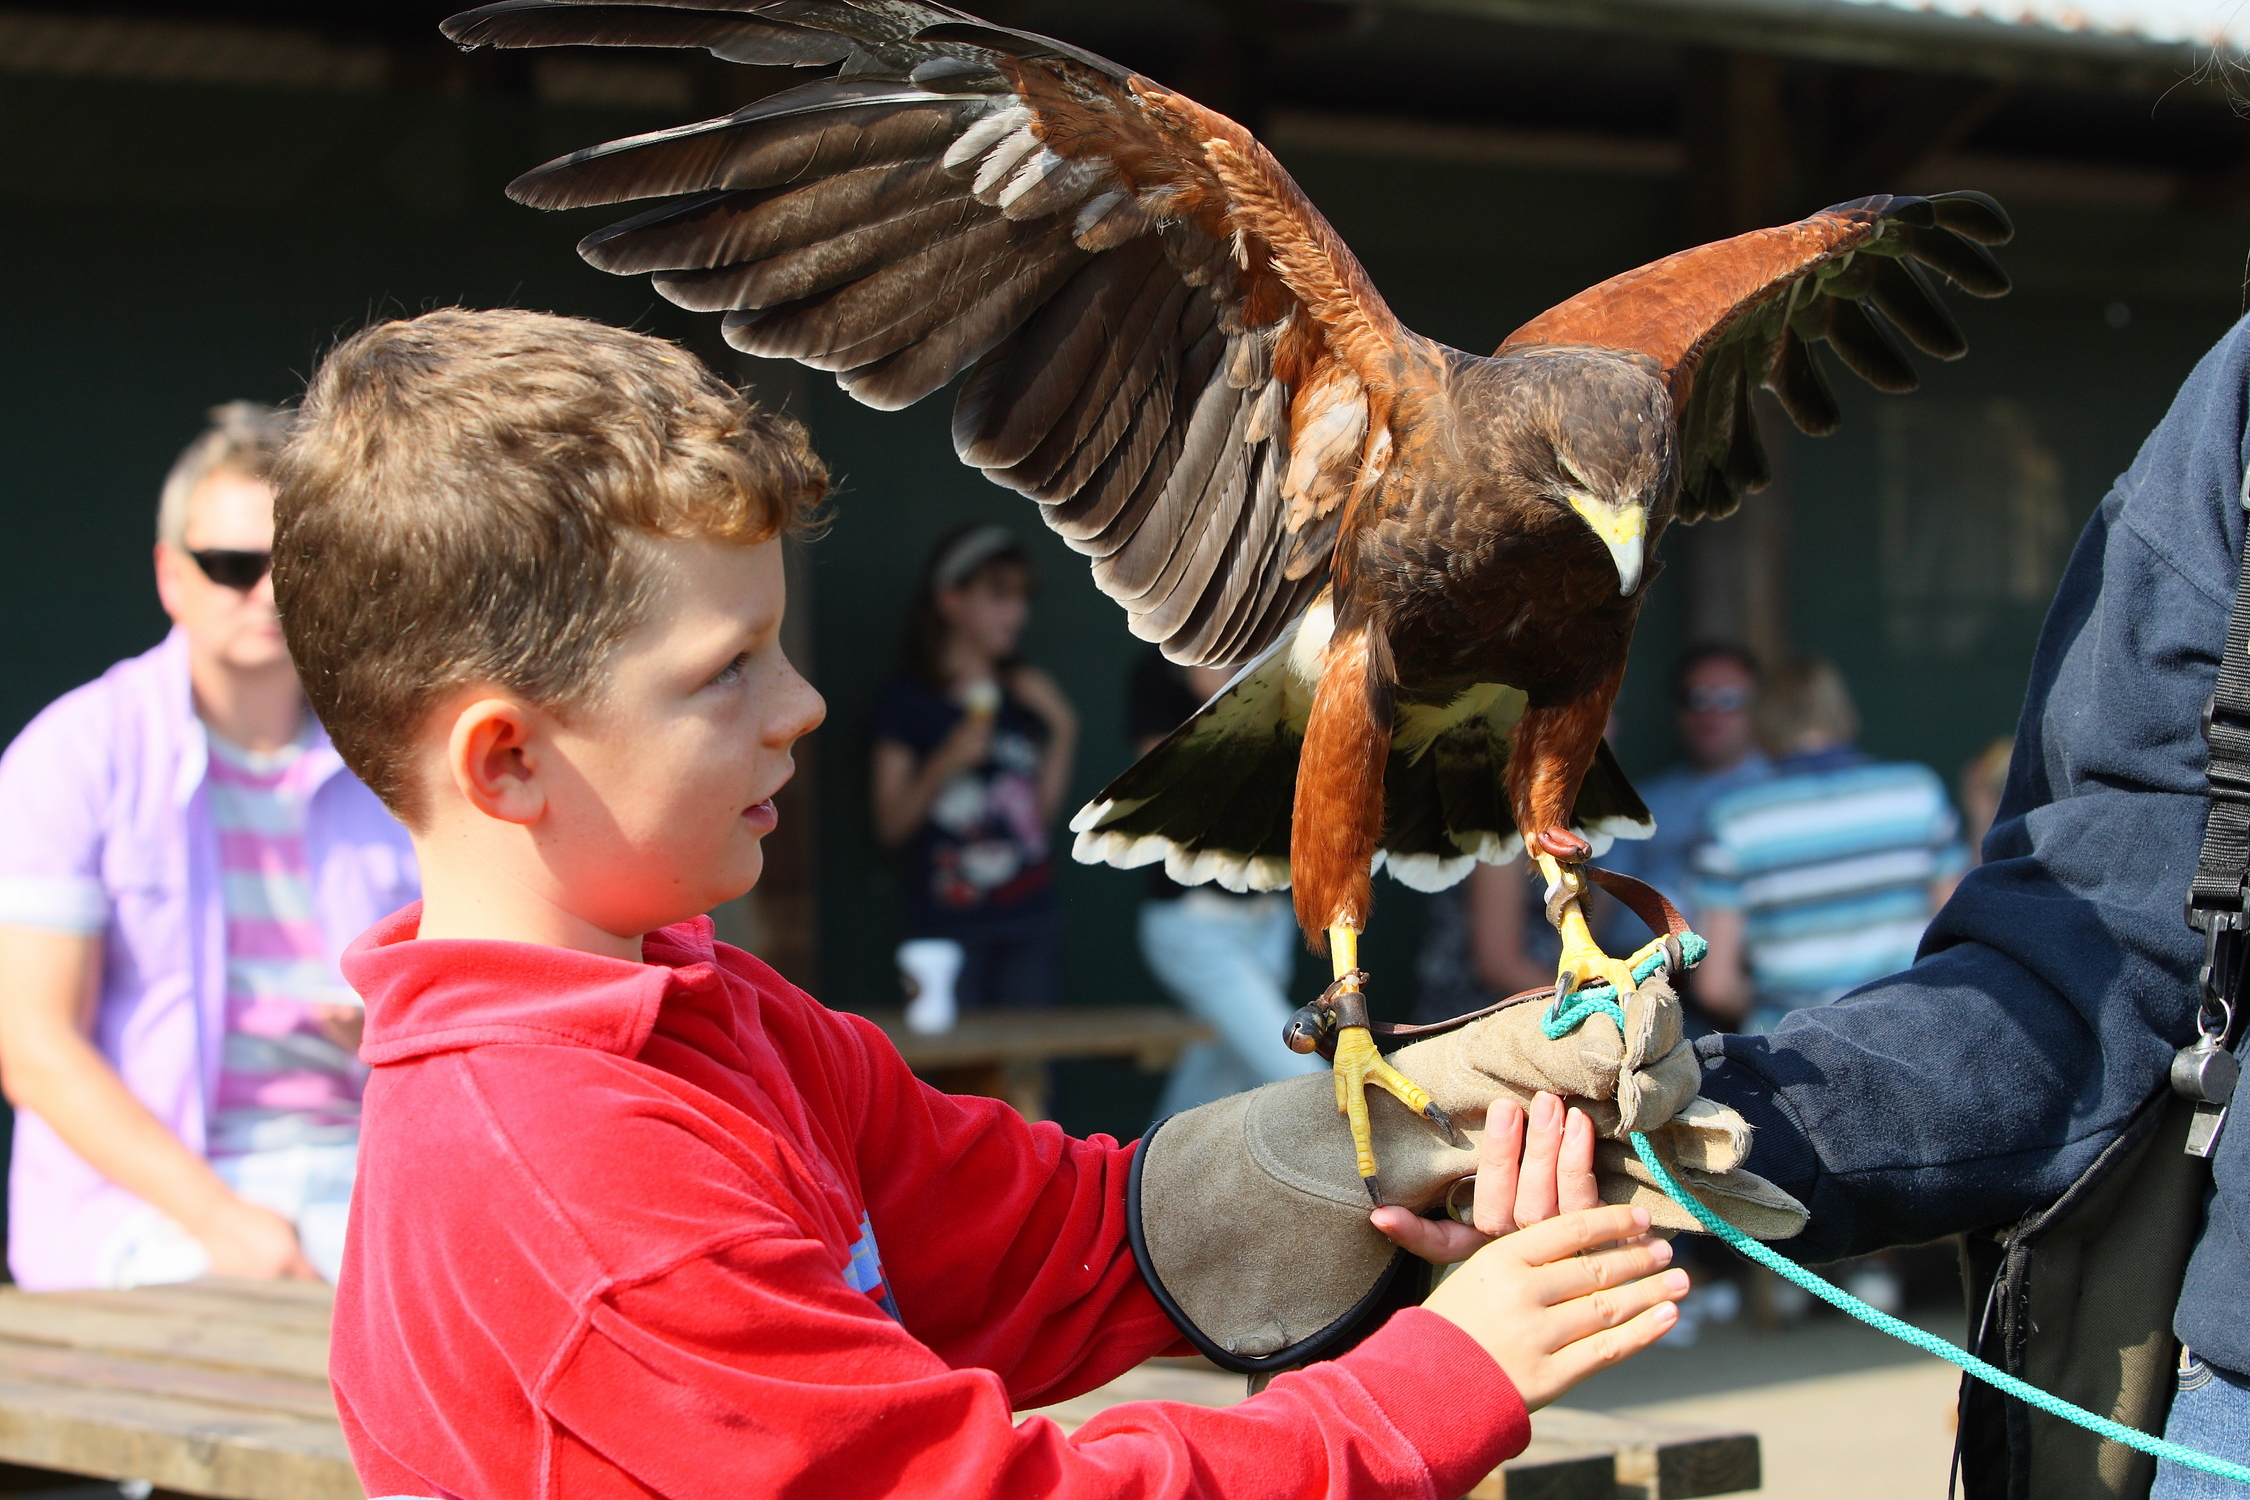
(233,569)
(1715,700)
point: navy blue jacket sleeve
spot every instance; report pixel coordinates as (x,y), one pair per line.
(2053,988)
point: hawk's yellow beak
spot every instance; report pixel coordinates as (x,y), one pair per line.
(1623,530)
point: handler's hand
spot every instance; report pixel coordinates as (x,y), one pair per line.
(1528,1171)
(1551,1309)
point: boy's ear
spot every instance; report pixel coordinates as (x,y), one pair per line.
(491,761)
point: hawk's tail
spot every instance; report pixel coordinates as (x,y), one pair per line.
(1213,801)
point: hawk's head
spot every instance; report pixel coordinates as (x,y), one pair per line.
(1593,435)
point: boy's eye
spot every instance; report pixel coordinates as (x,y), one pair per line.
(733,671)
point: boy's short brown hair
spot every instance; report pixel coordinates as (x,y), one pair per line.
(459,504)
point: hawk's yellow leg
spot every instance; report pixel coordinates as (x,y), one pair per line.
(1583,961)
(1358,1064)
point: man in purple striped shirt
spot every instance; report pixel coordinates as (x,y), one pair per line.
(186,858)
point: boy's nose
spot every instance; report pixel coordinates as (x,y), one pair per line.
(805,709)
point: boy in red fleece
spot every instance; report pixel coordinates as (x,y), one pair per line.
(621,1188)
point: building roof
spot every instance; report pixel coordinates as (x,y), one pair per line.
(2133,43)
(2202,22)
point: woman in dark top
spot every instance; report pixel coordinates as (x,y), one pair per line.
(971,760)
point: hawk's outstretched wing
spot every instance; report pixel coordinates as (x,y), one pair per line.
(1168,347)
(1724,318)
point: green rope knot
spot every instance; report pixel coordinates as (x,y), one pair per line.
(1566,1015)
(1563,1019)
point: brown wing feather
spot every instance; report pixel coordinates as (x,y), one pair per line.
(1724,318)
(1167,345)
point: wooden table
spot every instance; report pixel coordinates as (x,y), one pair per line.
(220,1388)
(1004,1054)
(1574,1455)
(211,1388)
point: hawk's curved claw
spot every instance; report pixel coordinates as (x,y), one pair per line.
(1584,964)
(1358,1064)
(1359,1067)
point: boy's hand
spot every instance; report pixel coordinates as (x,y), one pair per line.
(1528,1170)
(1551,1308)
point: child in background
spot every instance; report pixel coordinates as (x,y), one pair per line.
(620,1185)
(971,761)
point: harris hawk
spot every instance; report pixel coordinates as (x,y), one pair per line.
(1428,563)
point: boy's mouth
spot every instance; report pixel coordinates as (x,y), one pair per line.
(761,816)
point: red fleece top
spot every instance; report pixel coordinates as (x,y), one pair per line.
(616,1233)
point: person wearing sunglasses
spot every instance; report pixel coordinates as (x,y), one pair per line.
(186,859)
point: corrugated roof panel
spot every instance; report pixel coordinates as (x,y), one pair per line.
(2196,22)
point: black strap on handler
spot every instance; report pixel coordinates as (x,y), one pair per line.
(2204,1071)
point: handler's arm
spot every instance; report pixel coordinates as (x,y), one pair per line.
(48,985)
(2054,986)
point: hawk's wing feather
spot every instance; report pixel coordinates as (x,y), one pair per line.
(1724,318)
(1166,345)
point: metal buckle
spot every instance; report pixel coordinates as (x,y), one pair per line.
(2204,1071)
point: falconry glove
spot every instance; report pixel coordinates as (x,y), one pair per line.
(1252,1229)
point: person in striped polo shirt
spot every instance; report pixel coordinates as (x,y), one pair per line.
(187,856)
(1821,877)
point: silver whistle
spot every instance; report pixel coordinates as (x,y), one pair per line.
(2205,1073)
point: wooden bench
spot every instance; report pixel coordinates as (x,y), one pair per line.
(1004,1054)
(220,1388)
(1574,1455)
(210,1388)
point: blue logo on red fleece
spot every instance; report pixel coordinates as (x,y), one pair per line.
(864,1271)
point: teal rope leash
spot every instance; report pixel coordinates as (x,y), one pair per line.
(1562,1019)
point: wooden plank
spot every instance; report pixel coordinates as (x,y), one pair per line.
(315,1293)
(1151,1034)
(1660,1460)
(309,1400)
(1552,1471)
(65,1320)
(180,1445)
(210,1300)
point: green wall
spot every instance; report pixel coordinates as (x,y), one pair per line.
(174,246)
(170,248)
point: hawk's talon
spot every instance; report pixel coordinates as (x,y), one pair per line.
(1584,964)
(1359,1066)
(1437,1116)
